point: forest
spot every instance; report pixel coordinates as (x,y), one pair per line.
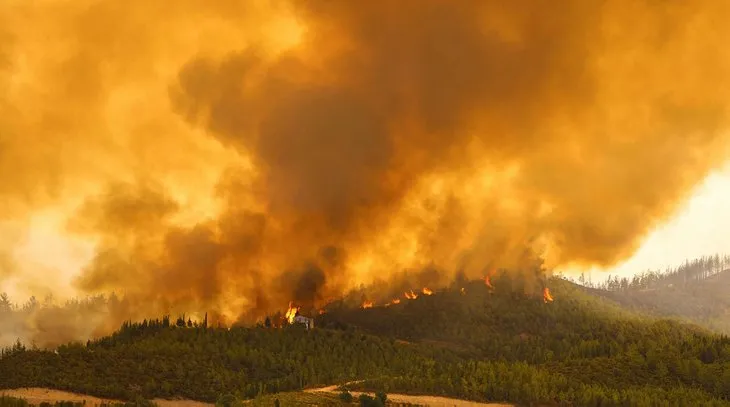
(468,340)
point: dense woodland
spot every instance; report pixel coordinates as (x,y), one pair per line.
(475,343)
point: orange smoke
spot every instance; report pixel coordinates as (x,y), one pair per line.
(230,156)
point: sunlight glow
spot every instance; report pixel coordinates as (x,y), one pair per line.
(700,228)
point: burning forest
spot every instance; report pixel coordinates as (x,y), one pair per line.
(231,157)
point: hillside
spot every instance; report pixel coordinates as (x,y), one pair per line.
(704,302)
(695,291)
(477,344)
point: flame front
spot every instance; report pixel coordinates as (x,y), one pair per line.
(488,282)
(411,295)
(367,304)
(291,313)
(546,295)
(427,291)
(395,301)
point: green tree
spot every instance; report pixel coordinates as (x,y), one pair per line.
(346,397)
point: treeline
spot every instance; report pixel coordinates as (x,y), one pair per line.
(528,385)
(579,336)
(691,270)
(202,363)
(49,323)
(92,303)
(484,345)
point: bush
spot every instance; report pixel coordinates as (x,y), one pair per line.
(369,401)
(346,396)
(227,400)
(7,401)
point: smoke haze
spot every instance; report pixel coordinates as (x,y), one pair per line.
(229,157)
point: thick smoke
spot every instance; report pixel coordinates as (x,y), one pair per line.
(229,157)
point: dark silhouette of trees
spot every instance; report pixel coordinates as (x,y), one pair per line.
(691,270)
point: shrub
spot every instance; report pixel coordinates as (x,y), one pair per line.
(346,396)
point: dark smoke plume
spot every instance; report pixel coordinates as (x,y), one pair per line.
(223,168)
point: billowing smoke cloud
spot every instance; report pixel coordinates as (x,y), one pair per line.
(229,159)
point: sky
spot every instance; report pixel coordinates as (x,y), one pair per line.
(701,227)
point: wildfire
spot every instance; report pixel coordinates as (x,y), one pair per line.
(322,312)
(463,291)
(367,304)
(488,282)
(427,291)
(395,301)
(411,295)
(546,295)
(291,313)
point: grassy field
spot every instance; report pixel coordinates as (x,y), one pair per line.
(297,398)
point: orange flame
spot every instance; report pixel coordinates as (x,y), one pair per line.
(463,291)
(546,295)
(291,313)
(395,301)
(367,304)
(488,282)
(427,291)
(322,312)
(411,295)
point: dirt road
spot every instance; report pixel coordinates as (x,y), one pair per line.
(431,401)
(39,395)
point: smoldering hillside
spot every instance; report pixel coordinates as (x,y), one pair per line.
(232,157)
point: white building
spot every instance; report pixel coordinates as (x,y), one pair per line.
(307,322)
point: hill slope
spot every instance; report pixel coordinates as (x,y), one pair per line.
(694,291)
(480,345)
(703,301)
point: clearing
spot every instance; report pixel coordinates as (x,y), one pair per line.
(314,397)
(431,401)
(36,396)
